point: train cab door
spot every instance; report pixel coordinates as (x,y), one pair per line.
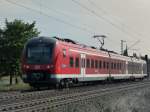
(83,65)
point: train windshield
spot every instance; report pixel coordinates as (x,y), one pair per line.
(39,54)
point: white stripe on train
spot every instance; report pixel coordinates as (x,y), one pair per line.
(115,76)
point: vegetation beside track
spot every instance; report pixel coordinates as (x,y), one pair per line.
(5,85)
(13,36)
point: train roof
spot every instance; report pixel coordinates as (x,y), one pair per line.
(113,53)
(104,51)
(36,40)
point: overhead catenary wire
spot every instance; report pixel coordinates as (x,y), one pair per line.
(133,44)
(105,19)
(102,18)
(106,13)
(52,17)
(63,14)
(66,15)
(122,24)
(49,16)
(59,20)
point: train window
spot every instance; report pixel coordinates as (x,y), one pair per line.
(92,63)
(96,64)
(117,65)
(107,65)
(100,64)
(88,63)
(125,65)
(120,65)
(64,53)
(104,64)
(71,62)
(112,65)
(77,62)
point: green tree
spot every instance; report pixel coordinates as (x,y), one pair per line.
(12,40)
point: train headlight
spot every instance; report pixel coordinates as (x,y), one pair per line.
(48,67)
(27,67)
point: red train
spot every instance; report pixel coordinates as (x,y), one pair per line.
(58,61)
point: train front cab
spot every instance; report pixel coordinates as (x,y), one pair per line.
(38,61)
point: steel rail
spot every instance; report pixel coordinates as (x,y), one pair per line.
(47,103)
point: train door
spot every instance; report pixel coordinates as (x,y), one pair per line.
(83,65)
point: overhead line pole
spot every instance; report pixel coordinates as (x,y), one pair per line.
(122,41)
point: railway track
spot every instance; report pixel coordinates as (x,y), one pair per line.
(45,104)
(17,97)
(8,98)
(2,94)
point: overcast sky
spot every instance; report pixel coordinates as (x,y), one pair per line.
(79,20)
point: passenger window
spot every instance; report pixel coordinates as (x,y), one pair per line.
(92,63)
(77,62)
(88,63)
(107,65)
(118,66)
(71,62)
(96,64)
(112,65)
(104,65)
(100,64)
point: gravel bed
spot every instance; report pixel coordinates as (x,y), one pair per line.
(128,101)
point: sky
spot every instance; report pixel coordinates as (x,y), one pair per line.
(79,20)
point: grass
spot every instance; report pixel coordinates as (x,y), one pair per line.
(5,86)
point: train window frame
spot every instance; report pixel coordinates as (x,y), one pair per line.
(121,66)
(87,63)
(107,65)
(104,64)
(92,63)
(71,62)
(100,64)
(112,65)
(117,66)
(96,64)
(77,62)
